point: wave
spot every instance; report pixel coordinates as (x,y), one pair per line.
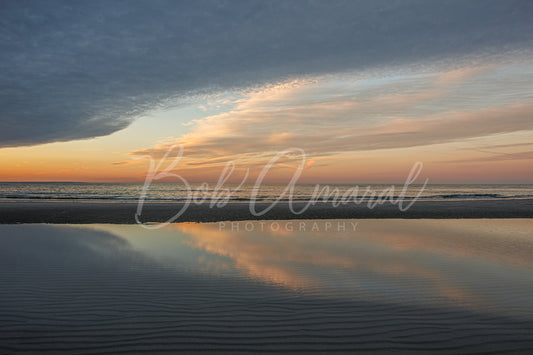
(471,196)
(262,199)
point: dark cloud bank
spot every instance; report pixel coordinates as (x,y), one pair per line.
(80,69)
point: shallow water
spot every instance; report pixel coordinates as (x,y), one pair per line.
(408,285)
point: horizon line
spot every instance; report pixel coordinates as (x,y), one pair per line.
(274,183)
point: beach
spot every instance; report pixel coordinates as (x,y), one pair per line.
(290,176)
(75,212)
(442,276)
(408,286)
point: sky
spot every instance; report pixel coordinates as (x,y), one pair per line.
(88,90)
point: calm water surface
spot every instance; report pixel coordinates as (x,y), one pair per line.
(481,265)
(384,285)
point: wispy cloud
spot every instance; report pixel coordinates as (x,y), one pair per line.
(310,115)
(495,157)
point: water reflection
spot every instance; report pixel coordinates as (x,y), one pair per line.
(482,265)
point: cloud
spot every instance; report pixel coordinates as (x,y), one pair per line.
(359,116)
(527,155)
(85,69)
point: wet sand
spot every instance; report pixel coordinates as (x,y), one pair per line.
(124,213)
(407,286)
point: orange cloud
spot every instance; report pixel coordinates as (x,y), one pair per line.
(328,118)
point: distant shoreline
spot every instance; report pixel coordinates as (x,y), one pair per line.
(63,212)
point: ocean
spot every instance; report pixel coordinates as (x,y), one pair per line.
(168,192)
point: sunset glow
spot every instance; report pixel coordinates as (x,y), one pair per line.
(354,127)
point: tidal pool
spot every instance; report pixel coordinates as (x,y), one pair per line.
(387,285)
